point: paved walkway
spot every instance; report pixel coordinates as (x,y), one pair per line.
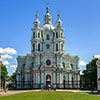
(11,92)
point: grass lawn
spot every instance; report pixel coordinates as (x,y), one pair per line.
(50,95)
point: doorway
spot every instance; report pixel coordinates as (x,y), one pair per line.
(48,81)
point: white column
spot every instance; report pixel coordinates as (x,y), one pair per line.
(41,79)
(57,77)
(54,80)
(17,77)
(34,79)
(78,80)
(25,79)
(70,79)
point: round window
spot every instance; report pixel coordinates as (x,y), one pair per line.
(48,62)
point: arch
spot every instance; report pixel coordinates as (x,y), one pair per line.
(48,46)
(72,82)
(39,35)
(56,47)
(48,81)
(32,64)
(23,66)
(53,35)
(56,34)
(63,64)
(39,47)
(33,47)
(61,35)
(71,66)
(62,46)
(47,37)
(33,34)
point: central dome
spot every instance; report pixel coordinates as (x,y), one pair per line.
(48,27)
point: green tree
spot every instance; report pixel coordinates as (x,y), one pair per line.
(89,77)
(4,75)
(12,78)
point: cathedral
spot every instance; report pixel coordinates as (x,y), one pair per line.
(47,66)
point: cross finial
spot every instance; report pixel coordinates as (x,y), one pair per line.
(58,14)
(36,13)
(47,4)
(47,7)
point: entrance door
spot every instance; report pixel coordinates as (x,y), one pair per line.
(48,81)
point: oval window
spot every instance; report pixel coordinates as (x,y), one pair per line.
(48,62)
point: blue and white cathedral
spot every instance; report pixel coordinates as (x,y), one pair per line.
(47,66)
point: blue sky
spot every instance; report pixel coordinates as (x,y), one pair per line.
(81,21)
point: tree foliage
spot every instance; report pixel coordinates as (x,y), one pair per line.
(4,73)
(89,77)
(13,76)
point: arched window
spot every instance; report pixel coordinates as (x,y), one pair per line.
(33,34)
(53,35)
(72,66)
(61,35)
(56,34)
(56,47)
(63,65)
(61,46)
(47,36)
(72,82)
(23,66)
(38,47)
(33,47)
(32,65)
(47,46)
(39,35)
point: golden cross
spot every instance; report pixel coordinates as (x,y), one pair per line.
(47,4)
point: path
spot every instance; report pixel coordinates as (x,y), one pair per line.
(11,92)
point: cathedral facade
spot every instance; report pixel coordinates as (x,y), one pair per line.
(47,65)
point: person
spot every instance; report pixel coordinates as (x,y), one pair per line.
(49,87)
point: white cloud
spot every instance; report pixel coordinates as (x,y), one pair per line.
(5,62)
(6,56)
(8,50)
(97,56)
(82,63)
(13,66)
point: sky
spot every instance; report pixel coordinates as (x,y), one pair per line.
(81,23)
